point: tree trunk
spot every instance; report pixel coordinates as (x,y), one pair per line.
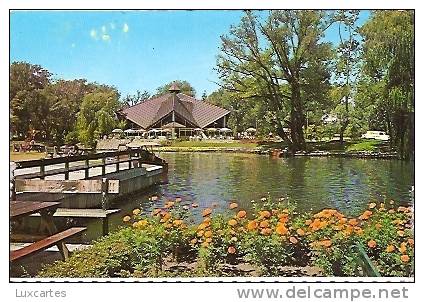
(297,120)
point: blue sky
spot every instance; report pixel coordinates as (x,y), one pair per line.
(127,49)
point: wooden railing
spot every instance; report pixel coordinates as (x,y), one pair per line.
(131,156)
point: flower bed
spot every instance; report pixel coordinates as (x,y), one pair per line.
(271,237)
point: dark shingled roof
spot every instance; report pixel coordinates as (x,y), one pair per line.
(196,112)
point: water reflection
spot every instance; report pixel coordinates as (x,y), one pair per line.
(313,183)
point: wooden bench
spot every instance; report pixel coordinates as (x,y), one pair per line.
(45,243)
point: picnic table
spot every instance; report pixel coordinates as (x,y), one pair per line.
(20,209)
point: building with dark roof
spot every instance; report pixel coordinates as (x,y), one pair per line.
(179,113)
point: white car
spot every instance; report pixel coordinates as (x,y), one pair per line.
(378,135)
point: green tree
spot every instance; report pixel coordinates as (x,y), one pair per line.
(97,116)
(282,62)
(346,66)
(138,97)
(26,104)
(387,78)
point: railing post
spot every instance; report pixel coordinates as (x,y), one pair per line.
(87,167)
(117,164)
(67,168)
(42,169)
(103,164)
(129,159)
(105,185)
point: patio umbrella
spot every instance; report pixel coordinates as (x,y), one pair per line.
(250,130)
(225,130)
(130,131)
(198,129)
(117,130)
(211,130)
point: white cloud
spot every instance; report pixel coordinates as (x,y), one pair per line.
(103,29)
(125,28)
(112,25)
(93,34)
(105,37)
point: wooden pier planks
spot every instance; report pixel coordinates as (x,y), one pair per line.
(66,186)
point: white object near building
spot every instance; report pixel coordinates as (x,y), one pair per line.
(378,135)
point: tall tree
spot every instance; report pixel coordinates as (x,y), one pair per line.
(26,83)
(278,61)
(389,73)
(346,65)
(97,116)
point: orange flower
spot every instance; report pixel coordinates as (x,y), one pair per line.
(402,248)
(178,222)
(372,244)
(252,225)
(126,218)
(265,214)
(300,232)
(169,204)
(401,233)
(241,214)
(372,205)
(207,220)
(264,224)
(404,258)
(308,222)
(156,212)
(353,222)
(231,250)
(390,248)
(205,244)
(194,205)
(208,234)
(391,211)
(202,226)
(266,231)
(193,241)
(233,205)
(200,233)
(366,215)
(378,226)
(281,230)
(206,212)
(232,222)
(411,241)
(293,240)
(166,217)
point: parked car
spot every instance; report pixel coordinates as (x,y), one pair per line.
(378,135)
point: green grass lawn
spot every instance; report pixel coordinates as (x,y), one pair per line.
(20,156)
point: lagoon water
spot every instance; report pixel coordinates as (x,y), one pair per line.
(313,183)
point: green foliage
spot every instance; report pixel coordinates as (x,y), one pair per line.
(97,116)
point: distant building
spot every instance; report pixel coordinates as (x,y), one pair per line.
(329,119)
(175,112)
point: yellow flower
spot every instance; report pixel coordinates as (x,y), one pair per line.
(401,233)
(232,222)
(193,241)
(136,211)
(208,234)
(126,218)
(390,248)
(264,214)
(372,205)
(233,205)
(178,222)
(266,231)
(252,225)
